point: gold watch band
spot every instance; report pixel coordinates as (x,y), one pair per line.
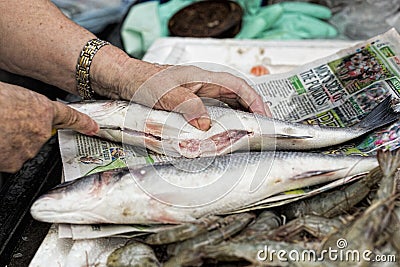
(83,67)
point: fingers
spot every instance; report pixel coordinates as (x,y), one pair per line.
(226,87)
(183,101)
(68,118)
(178,89)
(244,93)
(233,102)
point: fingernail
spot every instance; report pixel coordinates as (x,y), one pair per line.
(94,129)
(259,110)
(267,110)
(204,123)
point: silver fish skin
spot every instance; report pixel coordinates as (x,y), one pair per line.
(188,189)
(169,133)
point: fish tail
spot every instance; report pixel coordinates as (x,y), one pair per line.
(389,161)
(381,115)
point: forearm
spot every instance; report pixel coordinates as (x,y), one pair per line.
(37,40)
(40,42)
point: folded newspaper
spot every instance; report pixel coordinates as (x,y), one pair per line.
(335,91)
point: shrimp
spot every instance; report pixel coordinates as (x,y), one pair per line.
(259,70)
(395,229)
(133,254)
(266,222)
(184,251)
(333,203)
(181,232)
(317,226)
(259,253)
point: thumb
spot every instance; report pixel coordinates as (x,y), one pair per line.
(69,118)
(182,100)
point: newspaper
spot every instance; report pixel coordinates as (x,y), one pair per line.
(346,85)
(301,193)
(337,91)
(83,155)
(78,232)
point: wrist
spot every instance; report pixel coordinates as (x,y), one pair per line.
(107,70)
(117,76)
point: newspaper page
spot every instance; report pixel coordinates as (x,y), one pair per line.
(349,84)
(96,231)
(337,91)
(81,231)
(83,155)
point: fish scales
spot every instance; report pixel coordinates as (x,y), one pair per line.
(218,165)
(214,164)
(164,193)
(221,163)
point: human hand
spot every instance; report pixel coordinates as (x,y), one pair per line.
(178,88)
(27,122)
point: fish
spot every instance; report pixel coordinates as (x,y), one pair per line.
(232,130)
(187,189)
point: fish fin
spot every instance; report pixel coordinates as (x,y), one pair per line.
(65,184)
(381,115)
(287,136)
(389,161)
(314,173)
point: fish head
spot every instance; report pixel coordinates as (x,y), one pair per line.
(75,200)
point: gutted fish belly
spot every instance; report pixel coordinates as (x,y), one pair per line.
(188,189)
(168,132)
